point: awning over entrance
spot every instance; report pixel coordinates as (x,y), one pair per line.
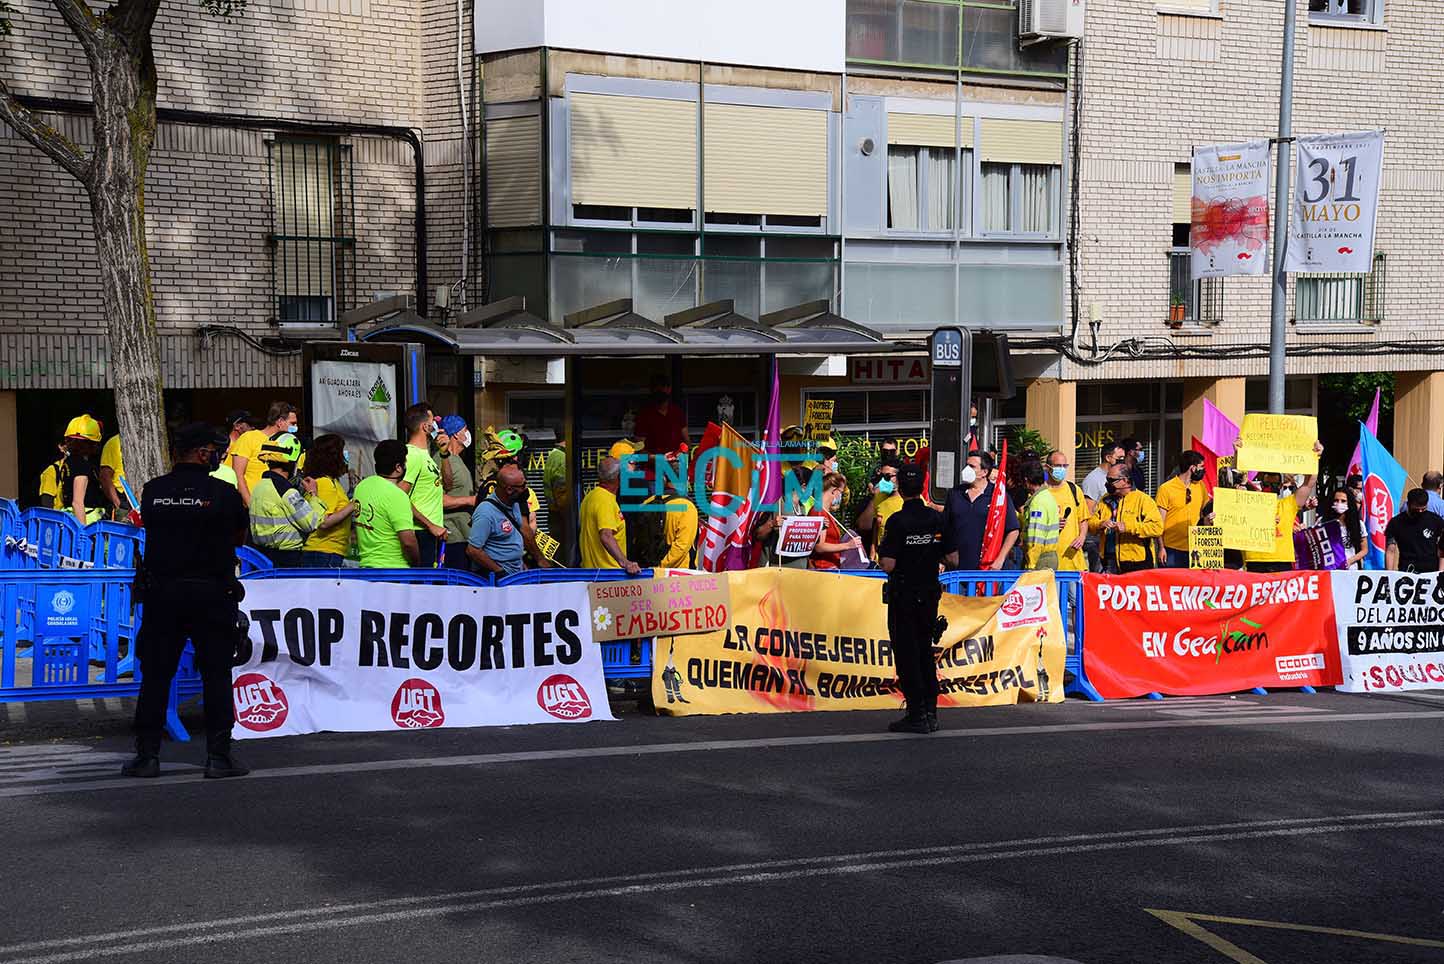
(614,329)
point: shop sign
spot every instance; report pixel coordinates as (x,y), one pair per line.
(881,370)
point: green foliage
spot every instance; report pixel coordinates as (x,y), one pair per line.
(857,459)
(222,8)
(1022,440)
(5,11)
(1357,392)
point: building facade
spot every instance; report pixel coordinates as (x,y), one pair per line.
(905,163)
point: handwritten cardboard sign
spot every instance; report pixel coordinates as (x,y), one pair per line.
(1205,547)
(1279,443)
(1248,519)
(547,545)
(819,418)
(799,535)
(672,603)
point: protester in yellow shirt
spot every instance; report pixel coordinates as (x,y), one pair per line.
(1180,503)
(1281,557)
(50,482)
(331,542)
(1127,523)
(884,502)
(1073,514)
(246,450)
(603,531)
(112,473)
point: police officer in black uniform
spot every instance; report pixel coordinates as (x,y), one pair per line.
(187,582)
(911,550)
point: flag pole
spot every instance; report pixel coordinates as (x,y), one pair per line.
(1278,328)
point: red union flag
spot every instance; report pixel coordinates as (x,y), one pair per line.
(1229,210)
(727,519)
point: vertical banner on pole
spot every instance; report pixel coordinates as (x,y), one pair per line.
(1335,202)
(1230,224)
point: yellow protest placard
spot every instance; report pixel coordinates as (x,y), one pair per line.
(547,545)
(1205,547)
(1247,519)
(1278,443)
(819,418)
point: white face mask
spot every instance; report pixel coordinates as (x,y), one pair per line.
(465,439)
(1341,507)
(968,476)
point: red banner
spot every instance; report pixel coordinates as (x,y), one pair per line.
(1193,632)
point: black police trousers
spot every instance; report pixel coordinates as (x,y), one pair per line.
(912,615)
(204,612)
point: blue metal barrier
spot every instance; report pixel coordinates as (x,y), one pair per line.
(252,560)
(115,545)
(59,541)
(12,530)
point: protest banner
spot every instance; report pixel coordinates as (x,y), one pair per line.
(361,656)
(673,602)
(806,640)
(1230,210)
(818,418)
(1391,630)
(1197,633)
(1335,203)
(1205,547)
(798,535)
(1248,519)
(1279,443)
(1321,547)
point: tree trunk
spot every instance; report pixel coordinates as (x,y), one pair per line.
(124,86)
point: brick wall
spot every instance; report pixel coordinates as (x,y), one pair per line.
(1158,84)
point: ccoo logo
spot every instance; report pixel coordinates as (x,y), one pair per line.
(417,706)
(260,704)
(564,698)
(1379,503)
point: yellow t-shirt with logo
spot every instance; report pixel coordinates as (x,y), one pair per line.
(601,511)
(1184,504)
(248,447)
(1283,550)
(337,539)
(1074,504)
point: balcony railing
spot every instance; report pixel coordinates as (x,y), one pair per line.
(1198,302)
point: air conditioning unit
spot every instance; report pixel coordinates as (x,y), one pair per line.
(1040,20)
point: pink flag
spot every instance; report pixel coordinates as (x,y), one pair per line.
(1219,433)
(1356,464)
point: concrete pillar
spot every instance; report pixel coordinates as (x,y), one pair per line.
(1227,395)
(1053,410)
(1419,422)
(9,448)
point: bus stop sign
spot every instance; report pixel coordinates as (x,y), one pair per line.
(951,351)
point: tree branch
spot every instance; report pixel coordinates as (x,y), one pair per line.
(134,18)
(81,20)
(55,145)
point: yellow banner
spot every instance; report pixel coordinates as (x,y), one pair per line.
(1248,519)
(807,640)
(1205,547)
(1278,443)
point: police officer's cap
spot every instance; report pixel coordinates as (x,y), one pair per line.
(910,475)
(196,435)
(240,415)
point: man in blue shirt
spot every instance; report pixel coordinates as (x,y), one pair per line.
(496,544)
(965,516)
(1431,484)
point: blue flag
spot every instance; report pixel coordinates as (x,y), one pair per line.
(1384,481)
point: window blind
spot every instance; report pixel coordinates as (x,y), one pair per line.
(1182,194)
(926,130)
(633,151)
(765,160)
(1022,141)
(513,171)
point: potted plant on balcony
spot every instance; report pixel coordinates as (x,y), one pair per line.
(1176,311)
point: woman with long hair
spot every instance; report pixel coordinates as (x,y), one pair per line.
(1345,508)
(326,462)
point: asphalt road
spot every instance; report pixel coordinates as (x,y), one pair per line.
(1281,829)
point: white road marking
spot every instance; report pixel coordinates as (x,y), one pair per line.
(403,910)
(699,746)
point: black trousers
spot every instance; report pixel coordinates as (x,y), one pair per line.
(203,612)
(1270,567)
(912,615)
(428,544)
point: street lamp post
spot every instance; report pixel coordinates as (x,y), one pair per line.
(1278,328)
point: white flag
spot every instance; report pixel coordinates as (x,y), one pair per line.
(1230,225)
(1336,199)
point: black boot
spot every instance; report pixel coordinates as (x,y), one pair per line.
(146,762)
(933,724)
(910,724)
(220,763)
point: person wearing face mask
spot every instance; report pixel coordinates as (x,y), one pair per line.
(1135,455)
(330,543)
(497,540)
(385,529)
(662,425)
(1180,503)
(872,520)
(1281,557)
(1346,510)
(1042,520)
(458,488)
(1074,511)
(245,451)
(965,516)
(1095,483)
(1414,539)
(1128,525)
(911,554)
(834,540)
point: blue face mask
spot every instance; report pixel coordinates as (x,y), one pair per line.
(887,486)
(1058,472)
(346,457)
(293,429)
(1142,457)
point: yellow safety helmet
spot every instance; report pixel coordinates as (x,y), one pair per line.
(281,450)
(621,448)
(83,426)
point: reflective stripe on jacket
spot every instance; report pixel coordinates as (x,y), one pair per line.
(282,521)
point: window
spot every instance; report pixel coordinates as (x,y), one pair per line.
(1198,301)
(922,187)
(1357,298)
(312,236)
(1020,199)
(927,34)
(1346,11)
